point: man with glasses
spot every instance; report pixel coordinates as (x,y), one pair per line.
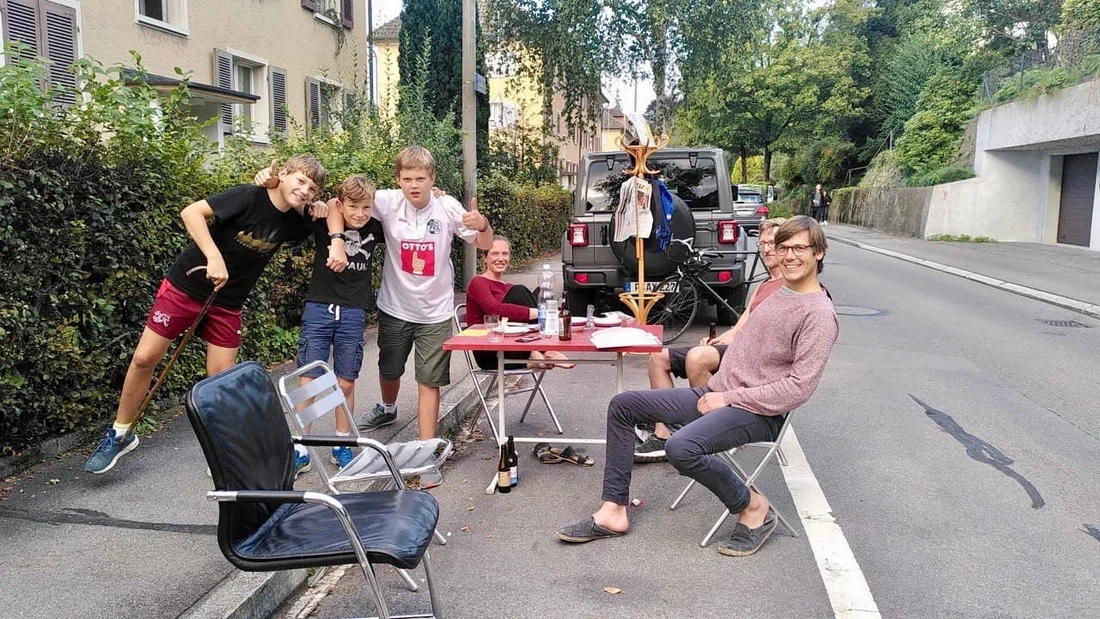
(698,363)
(771,369)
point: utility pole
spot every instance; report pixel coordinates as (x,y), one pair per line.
(469,125)
(370,55)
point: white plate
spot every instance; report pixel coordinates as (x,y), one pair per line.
(605,321)
(513,329)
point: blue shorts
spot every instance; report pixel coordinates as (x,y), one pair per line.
(332,328)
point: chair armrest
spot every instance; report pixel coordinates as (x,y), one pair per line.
(321,440)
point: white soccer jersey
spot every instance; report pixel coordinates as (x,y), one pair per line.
(418,277)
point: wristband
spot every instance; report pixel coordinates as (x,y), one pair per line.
(338,235)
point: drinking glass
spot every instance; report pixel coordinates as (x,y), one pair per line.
(590,319)
(492,322)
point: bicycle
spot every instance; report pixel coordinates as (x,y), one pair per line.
(676,311)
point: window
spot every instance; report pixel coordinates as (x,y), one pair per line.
(49,30)
(694,181)
(167,15)
(323,98)
(335,12)
(241,72)
(502,115)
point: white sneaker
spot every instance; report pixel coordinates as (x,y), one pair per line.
(824,223)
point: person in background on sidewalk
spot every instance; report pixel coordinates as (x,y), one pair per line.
(249,224)
(416,299)
(335,314)
(488,293)
(698,363)
(772,368)
(819,205)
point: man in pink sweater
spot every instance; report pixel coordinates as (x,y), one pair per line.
(770,370)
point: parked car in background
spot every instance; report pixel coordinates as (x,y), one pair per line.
(596,268)
(749,207)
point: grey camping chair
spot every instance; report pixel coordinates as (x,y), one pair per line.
(412,457)
(483,391)
(773,451)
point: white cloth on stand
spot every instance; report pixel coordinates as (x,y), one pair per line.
(634,217)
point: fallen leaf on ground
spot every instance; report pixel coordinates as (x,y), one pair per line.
(487,536)
(613,590)
(469,508)
(464,529)
(54,482)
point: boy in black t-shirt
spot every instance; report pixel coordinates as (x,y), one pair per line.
(336,309)
(249,224)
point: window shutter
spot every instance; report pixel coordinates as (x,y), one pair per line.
(60,45)
(349,101)
(313,103)
(347,16)
(279,122)
(309,4)
(223,78)
(21,24)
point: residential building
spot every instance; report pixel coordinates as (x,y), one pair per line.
(613,125)
(254,66)
(387,73)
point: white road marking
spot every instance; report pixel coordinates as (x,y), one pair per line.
(848,592)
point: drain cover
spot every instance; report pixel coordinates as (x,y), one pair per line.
(1069,324)
(855,310)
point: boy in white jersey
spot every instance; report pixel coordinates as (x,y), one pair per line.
(416,299)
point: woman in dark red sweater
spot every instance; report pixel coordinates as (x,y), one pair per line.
(488,293)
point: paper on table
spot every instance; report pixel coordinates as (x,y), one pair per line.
(622,337)
(474,332)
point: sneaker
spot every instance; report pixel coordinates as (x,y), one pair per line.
(342,456)
(652,450)
(824,223)
(108,452)
(301,464)
(642,432)
(377,418)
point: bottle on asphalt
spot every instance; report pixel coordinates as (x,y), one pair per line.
(513,462)
(713,332)
(504,472)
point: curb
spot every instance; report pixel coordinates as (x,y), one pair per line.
(46,449)
(1082,307)
(257,595)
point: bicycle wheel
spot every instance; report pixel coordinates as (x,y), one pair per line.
(676,310)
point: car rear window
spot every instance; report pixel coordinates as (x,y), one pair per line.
(750,198)
(696,185)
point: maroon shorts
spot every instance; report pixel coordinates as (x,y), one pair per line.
(173,312)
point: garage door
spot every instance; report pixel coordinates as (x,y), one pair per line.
(1078,193)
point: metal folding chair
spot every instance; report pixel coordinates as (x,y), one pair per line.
(773,450)
(412,458)
(265,525)
(483,391)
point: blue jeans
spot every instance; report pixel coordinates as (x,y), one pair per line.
(691,449)
(332,328)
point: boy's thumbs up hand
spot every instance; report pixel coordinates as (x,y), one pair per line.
(474,220)
(268,177)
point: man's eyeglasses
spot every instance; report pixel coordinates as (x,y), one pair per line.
(799,250)
(764,244)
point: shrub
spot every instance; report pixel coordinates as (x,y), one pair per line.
(533,218)
(939,176)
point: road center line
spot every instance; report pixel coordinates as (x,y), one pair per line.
(848,591)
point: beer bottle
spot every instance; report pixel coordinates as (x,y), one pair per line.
(713,332)
(566,321)
(513,462)
(504,474)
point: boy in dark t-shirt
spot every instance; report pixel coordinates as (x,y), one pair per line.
(337,303)
(249,224)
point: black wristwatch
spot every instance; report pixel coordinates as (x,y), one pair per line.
(338,235)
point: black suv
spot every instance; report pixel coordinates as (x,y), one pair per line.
(596,269)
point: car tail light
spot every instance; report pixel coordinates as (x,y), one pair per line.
(578,234)
(763,210)
(724,276)
(728,231)
(580,278)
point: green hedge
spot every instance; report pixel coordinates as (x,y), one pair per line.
(533,218)
(90,197)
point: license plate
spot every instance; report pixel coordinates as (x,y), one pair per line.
(666,287)
(745,213)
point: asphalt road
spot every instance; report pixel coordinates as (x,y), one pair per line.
(954,434)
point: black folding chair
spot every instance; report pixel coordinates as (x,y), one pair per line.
(265,525)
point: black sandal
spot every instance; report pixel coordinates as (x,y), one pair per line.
(745,541)
(586,531)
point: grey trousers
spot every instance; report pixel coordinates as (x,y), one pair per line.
(691,449)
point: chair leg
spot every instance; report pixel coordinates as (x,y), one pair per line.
(404,574)
(439,538)
(372,581)
(317,576)
(714,529)
(537,376)
(546,400)
(782,457)
(484,405)
(427,561)
(683,494)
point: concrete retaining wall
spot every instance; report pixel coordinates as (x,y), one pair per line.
(896,210)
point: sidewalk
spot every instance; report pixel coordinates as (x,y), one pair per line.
(140,540)
(1058,274)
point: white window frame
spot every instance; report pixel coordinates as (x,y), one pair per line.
(335,90)
(319,14)
(171,6)
(72,4)
(259,111)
